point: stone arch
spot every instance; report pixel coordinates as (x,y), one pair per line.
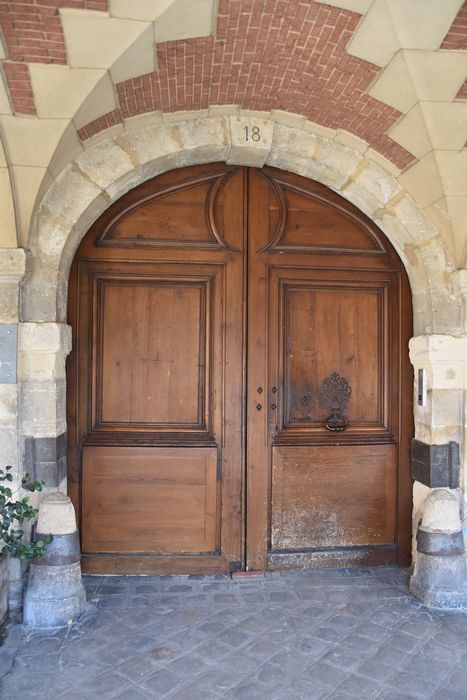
(116,163)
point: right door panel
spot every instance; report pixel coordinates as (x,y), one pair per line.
(329,447)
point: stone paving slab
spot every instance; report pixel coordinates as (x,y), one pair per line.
(310,635)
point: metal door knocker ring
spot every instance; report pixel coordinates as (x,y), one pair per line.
(334,394)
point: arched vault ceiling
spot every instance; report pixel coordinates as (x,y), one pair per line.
(387,75)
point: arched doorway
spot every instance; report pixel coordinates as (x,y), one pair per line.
(239,391)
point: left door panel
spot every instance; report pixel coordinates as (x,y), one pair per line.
(155,431)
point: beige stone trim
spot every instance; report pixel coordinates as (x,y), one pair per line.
(12,263)
(113,164)
(460,281)
(12,270)
(444,357)
(56,515)
(251,140)
(42,350)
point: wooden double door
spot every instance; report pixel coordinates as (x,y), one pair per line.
(239,393)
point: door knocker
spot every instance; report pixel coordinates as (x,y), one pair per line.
(334,395)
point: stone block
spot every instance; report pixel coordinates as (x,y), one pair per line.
(185,19)
(369,43)
(70,196)
(9,302)
(30,184)
(45,458)
(332,164)
(55,593)
(125,183)
(105,163)
(150,142)
(460,281)
(447,407)
(31,141)
(365,200)
(318,130)
(419,227)
(439,574)
(351,141)
(94,40)
(53,232)
(292,149)
(54,596)
(422,309)
(8,447)
(8,227)
(292,162)
(43,348)
(142,120)
(446,307)
(411,132)
(204,131)
(8,406)
(8,352)
(378,183)
(441,512)
(444,358)
(340,158)
(296,121)
(251,139)
(60,90)
(186,116)
(44,338)
(68,148)
(437,75)
(438,582)
(56,515)
(435,465)
(383,162)
(39,300)
(43,408)
(223,110)
(422,180)
(12,264)
(201,154)
(138,59)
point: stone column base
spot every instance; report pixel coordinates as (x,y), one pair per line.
(55,595)
(439,575)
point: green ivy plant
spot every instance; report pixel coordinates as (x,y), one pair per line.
(13,512)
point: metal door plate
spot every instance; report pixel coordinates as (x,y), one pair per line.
(8,346)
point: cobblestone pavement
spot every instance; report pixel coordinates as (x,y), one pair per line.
(321,634)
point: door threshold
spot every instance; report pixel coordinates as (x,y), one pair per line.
(241,576)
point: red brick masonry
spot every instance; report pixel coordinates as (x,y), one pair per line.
(266,54)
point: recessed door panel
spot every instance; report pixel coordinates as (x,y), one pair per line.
(173,491)
(150,374)
(331,327)
(333,496)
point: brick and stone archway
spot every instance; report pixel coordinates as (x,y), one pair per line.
(113,165)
